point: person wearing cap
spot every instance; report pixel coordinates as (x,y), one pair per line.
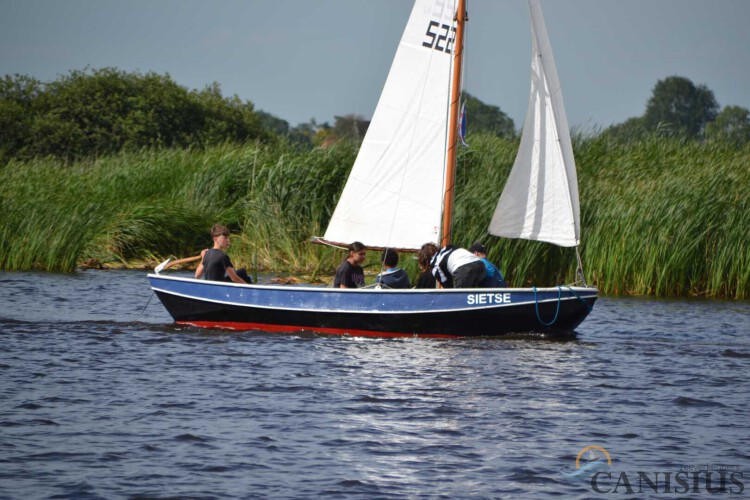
(493,277)
(455,267)
(215,264)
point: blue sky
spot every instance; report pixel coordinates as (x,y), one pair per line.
(303,59)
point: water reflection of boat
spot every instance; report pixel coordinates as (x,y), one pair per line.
(400,195)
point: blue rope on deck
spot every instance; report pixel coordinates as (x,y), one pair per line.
(536,307)
(559,300)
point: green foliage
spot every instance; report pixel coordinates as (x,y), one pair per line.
(273,123)
(350,128)
(678,107)
(153,204)
(112,209)
(304,134)
(223,119)
(632,129)
(678,229)
(486,118)
(99,112)
(291,198)
(660,216)
(16,98)
(732,125)
(483,118)
(92,113)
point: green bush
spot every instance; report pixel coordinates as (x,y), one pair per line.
(92,113)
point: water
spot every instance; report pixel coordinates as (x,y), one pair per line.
(102,397)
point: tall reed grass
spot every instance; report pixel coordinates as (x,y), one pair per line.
(663,217)
(659,217)
(667,217)
(152,204)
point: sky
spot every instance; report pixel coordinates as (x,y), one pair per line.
(305,59)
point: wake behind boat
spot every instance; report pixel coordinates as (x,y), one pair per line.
(400,194)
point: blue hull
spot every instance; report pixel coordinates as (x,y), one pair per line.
(370,312)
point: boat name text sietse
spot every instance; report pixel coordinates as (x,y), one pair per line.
(488,298)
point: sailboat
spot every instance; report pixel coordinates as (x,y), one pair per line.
(400,195)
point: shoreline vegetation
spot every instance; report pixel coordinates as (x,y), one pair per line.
(660,216)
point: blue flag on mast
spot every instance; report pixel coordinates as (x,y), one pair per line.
(462,125)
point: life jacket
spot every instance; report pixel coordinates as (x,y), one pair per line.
(439,264)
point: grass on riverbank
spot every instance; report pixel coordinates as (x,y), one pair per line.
(661,216)
(150,205)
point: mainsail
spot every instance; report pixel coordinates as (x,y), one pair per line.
(394,193)
(540,199)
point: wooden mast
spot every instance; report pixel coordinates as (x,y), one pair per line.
(450,171)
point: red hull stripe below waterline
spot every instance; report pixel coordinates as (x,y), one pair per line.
(230,325)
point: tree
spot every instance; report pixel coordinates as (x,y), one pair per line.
(273,123)
(97,112)
(350,128)
(17,95)
(223,119)
(304,134)
(731,125)
(483,117)
(677,106)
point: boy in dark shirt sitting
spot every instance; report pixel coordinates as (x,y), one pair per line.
(215,264)
(392,276)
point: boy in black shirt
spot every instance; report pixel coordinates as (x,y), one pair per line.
(215,264)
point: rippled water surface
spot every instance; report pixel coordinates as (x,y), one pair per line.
(102,397)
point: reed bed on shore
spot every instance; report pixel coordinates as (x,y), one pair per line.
(663,217)
(153,204)
(660,216)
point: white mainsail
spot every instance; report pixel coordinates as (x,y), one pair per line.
(394,193)
(540,199)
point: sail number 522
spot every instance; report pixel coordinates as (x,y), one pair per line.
(440,37)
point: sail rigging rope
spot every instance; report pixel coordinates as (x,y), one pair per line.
(146,306)
(579,271)
(588,307)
